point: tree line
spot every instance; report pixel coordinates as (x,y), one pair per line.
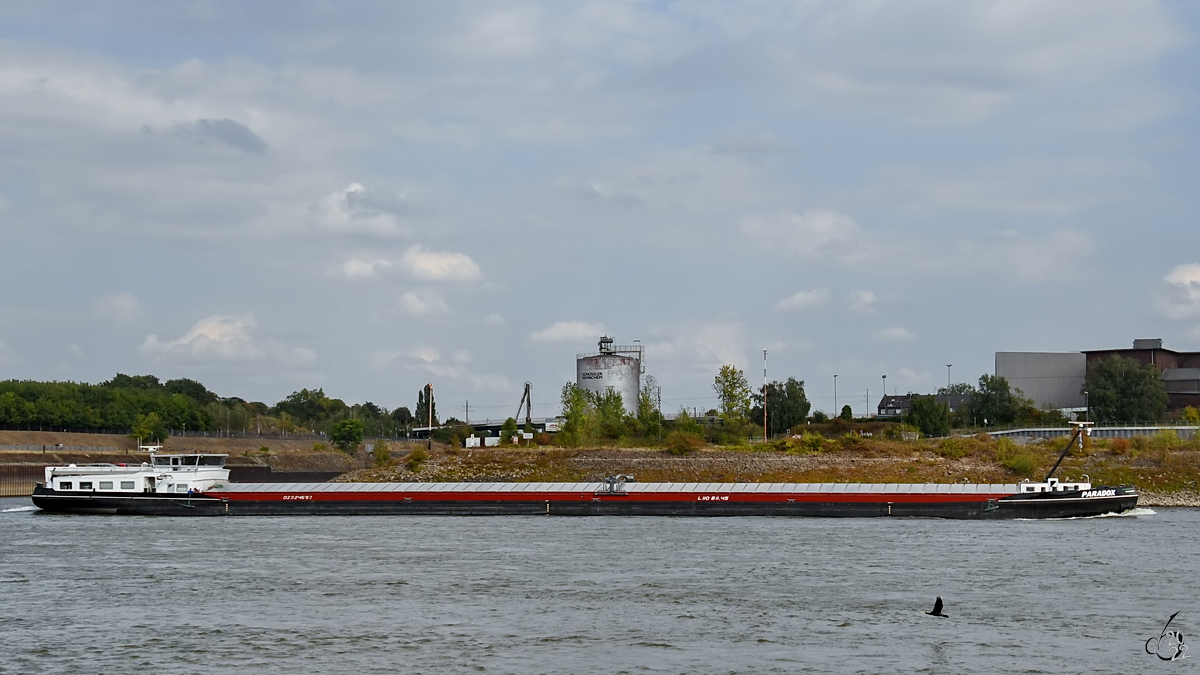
(152,409)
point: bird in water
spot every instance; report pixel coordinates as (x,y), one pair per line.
(937,609)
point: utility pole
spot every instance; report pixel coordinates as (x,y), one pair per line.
(429,409)
(764,390)
(467,407)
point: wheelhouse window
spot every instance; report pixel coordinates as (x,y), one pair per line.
(162,461)
(65,485)
(212,460)
(106,485)
(190,460)
(127,485)
(85,485)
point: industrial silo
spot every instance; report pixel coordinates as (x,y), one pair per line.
(616,367)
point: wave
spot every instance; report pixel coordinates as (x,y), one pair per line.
(1131,513)
(19,508)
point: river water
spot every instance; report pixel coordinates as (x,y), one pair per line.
(123,594)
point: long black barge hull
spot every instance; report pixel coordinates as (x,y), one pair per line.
(169,505)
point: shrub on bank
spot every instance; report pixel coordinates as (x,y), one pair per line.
(416,458)
(683,442)
(1016,459)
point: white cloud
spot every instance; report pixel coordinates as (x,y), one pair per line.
(568,331)
(420,303)
(426,265)
(214,337)
(816,234)
(702,346)
(358,268)
(1178,295)
(426,354)
(862,302)
(817,297)
(357,210)
(1053,257)
(118,308)
(894,334)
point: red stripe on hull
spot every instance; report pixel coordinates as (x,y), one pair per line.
(826,497)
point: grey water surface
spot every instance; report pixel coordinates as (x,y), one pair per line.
(123,594)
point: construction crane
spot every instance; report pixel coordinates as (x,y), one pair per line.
(527,402)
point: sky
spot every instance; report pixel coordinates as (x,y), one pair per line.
(366,197)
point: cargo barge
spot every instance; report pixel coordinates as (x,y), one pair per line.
(196,485)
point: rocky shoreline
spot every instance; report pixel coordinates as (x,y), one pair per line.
(1188,498)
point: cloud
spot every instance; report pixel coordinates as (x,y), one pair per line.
(422,303)
(226,131)
(215,337)
(816,234)
(592,191)
(358,268)
(426,265)
(755,148)
(702,346)
(895,334)
(118,308)
(1178,296)
(862,302)
(818,297)
(358,210)
(1052,257)
(568,331)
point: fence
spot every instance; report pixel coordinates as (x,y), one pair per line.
(1098,431)
(61,448)
(18,480)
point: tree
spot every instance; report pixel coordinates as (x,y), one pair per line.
(347,434)
(149,428)
(847,413)
(508,430)
(994,401)
(733,391)
(958,388)
(191,389)
(1191,415)
(787,405)
(576,408)
(610,413)
(929,415)
(648,414)
(426,405)
(1123,390)
(820,417)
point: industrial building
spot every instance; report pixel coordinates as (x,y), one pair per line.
(1056,380)
(616,367)
(1051,380)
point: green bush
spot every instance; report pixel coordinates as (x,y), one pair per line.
(1016,459)
(380,452)
(953,448)
(683,442)
(416,458)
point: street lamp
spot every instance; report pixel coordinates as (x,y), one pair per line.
(948,377)
(835,408)
(1087,403)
